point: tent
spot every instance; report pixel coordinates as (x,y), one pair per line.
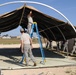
(49,27)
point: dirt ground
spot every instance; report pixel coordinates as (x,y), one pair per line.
(67,70)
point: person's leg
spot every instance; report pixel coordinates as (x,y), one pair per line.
(31,56)
(67,50)
(64,48)
(29,28)
(74,48)
(26,54)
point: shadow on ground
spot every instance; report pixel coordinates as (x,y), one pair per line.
(13,55)
(48,53)
(8,52)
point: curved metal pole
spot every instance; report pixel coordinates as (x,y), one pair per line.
(61,33)
(32,2)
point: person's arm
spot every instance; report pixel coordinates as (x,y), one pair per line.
(22,46)
(31,42)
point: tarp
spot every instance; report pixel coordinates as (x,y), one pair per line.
(49,27)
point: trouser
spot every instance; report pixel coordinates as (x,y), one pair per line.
(74,49)
(27,50)
(29,28)
(65,47)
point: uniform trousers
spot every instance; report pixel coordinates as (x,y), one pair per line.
(28,53)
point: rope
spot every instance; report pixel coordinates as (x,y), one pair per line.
(22,15)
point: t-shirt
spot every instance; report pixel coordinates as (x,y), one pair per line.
(30,20)
(26,38)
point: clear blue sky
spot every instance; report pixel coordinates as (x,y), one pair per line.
(67,7)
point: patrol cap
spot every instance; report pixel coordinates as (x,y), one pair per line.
(21,29)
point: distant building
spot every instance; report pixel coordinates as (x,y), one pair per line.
(18,37)
(6,37)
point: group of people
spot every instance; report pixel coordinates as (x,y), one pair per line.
(62,45)
(26,41)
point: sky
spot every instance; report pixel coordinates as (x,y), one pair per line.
(66,7)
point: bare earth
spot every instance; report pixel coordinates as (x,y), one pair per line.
(68,70)
(71,70)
